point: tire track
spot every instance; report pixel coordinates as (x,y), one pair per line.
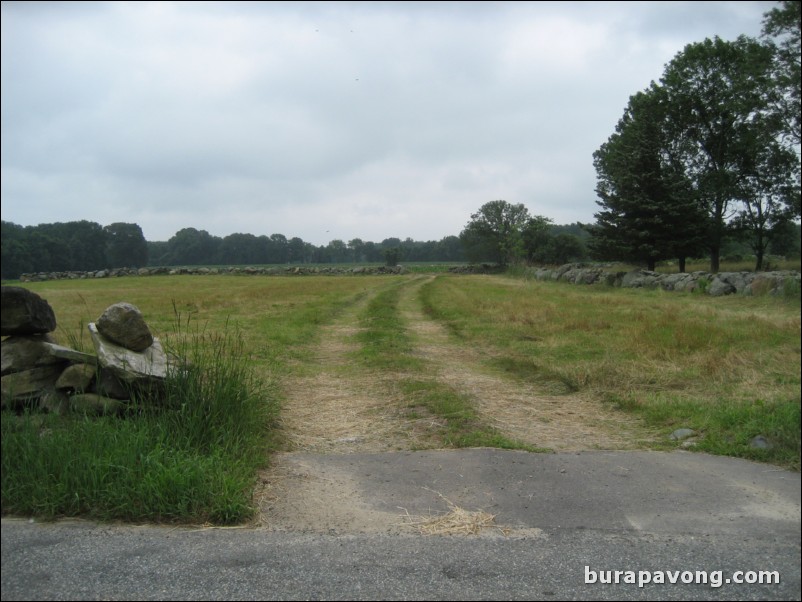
(569,422)
(333,406)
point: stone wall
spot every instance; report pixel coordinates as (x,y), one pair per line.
(723,283)
(38,374)
(295,270)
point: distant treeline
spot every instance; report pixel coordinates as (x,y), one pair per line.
(84,245)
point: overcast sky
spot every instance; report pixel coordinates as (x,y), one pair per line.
(324,120)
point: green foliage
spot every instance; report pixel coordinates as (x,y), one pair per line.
(52,247)
(85,246)
(649,211)
(391,256)
(782,26)
(496,232)
(718,124)
(125,246)
(711,149)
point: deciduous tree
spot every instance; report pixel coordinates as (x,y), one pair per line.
(495,233)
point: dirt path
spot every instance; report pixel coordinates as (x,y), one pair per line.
(334,406)
(569,422)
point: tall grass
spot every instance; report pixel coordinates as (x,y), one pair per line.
(189,455)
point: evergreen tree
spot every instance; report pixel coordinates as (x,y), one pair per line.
(649,210)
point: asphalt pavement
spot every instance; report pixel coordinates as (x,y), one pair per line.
(590,525)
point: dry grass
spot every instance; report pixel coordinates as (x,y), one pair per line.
(333,406)
(457,521)
(518,409)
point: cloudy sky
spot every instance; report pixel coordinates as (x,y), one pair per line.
(324,120)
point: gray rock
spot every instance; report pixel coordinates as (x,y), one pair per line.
(588,276)
(123,324)
(719,288)
(29,384)
(736,279)
(760,442)
(91,403)
(130,366)
(18,353)
(24,312)
(72,355)
(640,279)
(78,378)
(108,385)
(683,433)
(674,282)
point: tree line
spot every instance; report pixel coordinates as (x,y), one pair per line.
(84,245)
(80,245)
(705,160)
(709,152)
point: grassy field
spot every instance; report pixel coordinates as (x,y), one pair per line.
(726,367)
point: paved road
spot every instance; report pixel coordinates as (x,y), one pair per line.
(567,519)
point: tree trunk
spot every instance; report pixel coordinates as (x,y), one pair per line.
(652,264)
(715,259)
(681,265)
(759,263)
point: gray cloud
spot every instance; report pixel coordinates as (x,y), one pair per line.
(324,120)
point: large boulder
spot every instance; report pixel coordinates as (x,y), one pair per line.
(29,384)
(24,312)
(77,378)
(93,404)
(130,366)
(18,353)
(123,324)
(720,287)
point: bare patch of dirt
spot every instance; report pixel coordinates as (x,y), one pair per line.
(335,408)
(299,495)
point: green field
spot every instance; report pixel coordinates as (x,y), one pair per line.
(729,368)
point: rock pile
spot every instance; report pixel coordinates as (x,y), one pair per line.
(37,373)
(716,285)
(294,270)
